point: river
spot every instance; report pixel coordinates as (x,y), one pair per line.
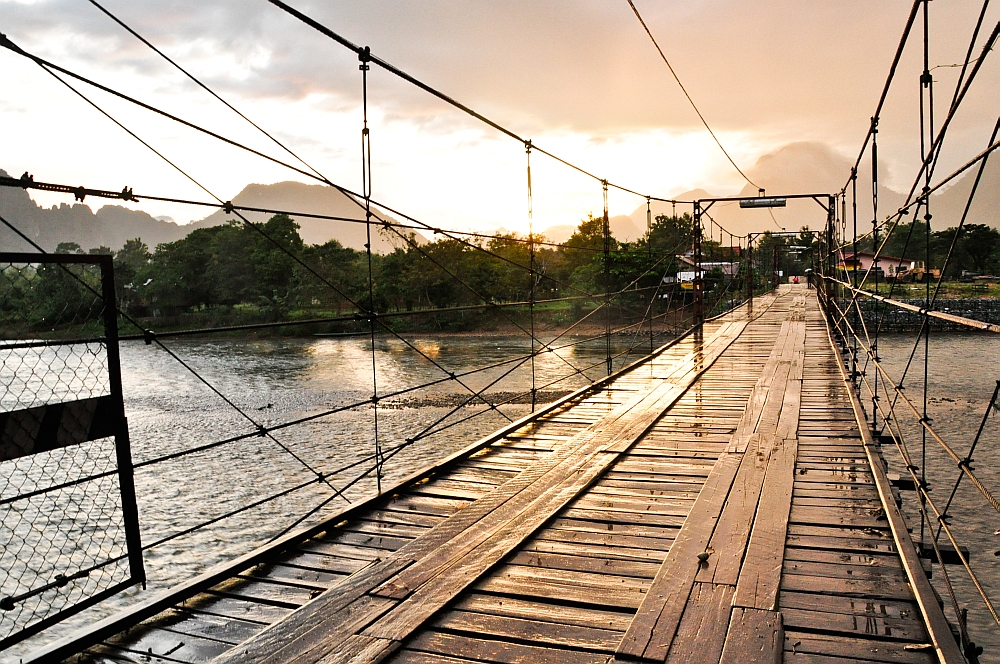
(962,372)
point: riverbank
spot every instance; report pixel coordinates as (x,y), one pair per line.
(895,319)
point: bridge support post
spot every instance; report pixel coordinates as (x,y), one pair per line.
(699,284)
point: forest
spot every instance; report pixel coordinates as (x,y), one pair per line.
(240,273)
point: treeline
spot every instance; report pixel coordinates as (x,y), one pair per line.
(266,272)
(976,250)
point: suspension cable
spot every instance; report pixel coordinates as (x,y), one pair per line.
(690,100)
(316,25)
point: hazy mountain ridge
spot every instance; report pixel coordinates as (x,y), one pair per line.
(795,168)
(816,168)
(112,225)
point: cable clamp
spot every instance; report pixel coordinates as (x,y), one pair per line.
(27,179)
(228,207)
(365,56)
(148,336)
(80,193)
(926,78)
(261,430)
(127,195)
(375,399)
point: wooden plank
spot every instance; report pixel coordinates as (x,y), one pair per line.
(870,625)
(231,607)
(503,652)
(702,630)
(349,604)
(642,570)
(534,609)
(755,636)
(760,576)
(653,629)
(878,650)
(778,422)
(539,632)
(662,608)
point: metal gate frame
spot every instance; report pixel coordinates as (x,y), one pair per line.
(108,421)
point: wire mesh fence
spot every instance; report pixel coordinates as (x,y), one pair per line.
(67,509)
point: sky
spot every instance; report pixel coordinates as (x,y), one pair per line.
(580,79)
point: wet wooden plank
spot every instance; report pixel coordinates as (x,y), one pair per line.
(640,569)
(661,611)
(653,630)
(539,632)
(755,636)
(878,650)
(503,652)
(226,630)
(536,609)
(702,630)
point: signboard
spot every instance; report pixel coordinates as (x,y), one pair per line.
(762,202)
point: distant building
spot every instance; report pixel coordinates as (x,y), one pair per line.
(863,260)
(729,268)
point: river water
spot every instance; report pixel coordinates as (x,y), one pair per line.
(278,380)
(963,370)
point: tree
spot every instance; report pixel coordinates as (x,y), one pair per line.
(132,258)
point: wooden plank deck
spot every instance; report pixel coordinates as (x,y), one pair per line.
(716,503)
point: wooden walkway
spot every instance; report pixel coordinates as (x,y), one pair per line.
(715,503)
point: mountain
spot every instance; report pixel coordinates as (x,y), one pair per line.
(796,168)
(312,199)
(112,225)
(947,207)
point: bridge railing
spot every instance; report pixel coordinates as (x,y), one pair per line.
(934,461)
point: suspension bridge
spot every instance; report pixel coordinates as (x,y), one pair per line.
(728,486)
(716,501)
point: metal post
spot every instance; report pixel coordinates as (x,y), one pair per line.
(774,266)
(366,183)
(649,251)
(831,238)
(607,278)
(123,447)
(699,303)
(749,262)
(531,274)
(874,268)
(854,277)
